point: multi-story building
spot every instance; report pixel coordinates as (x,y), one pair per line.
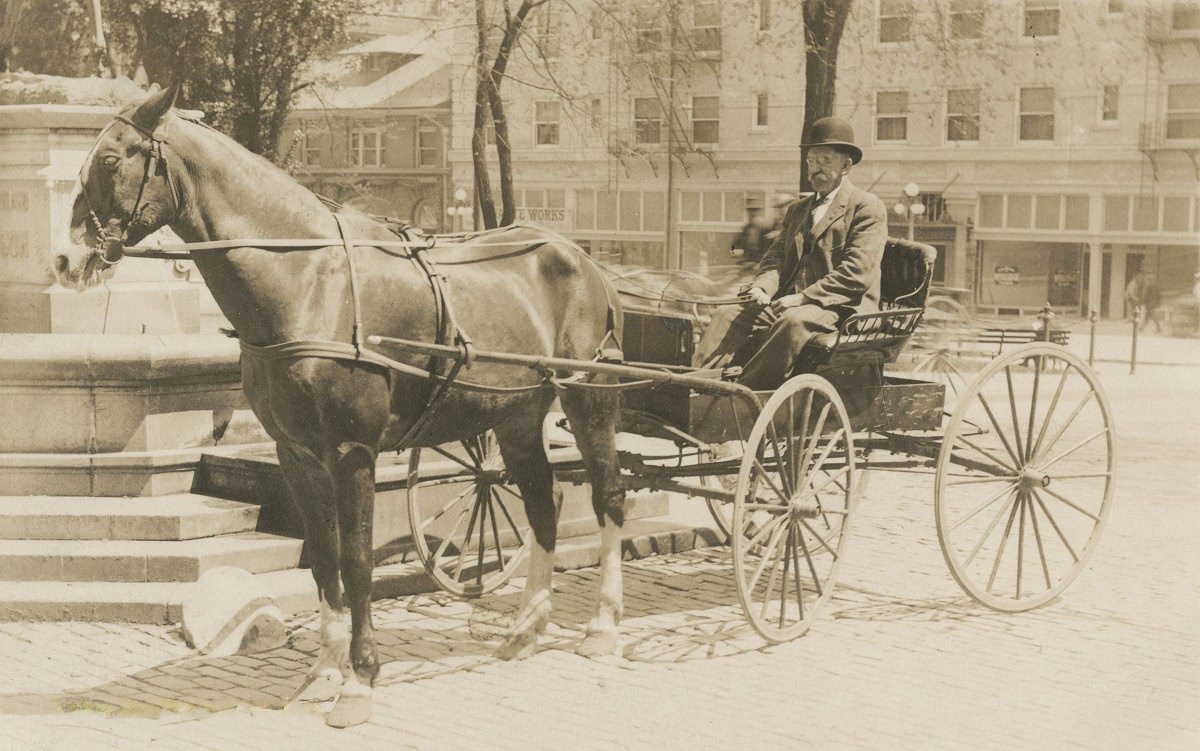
(1054,143)
(371,132)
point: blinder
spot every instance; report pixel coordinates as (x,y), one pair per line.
(109,242)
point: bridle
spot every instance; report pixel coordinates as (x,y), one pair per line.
(156,163)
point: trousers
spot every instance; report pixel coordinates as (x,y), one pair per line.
(767,352)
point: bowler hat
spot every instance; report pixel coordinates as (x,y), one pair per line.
(833,131)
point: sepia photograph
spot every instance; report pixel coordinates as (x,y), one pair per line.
(599,375)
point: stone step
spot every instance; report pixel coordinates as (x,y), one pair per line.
(184,516)
(142,561)
(117,602)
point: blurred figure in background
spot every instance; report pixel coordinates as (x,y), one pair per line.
(1151,301)
(750,244)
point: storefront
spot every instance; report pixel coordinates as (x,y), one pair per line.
(1019,277)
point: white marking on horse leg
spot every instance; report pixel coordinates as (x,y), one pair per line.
(325,677)
(601,636)
(521,640)
(353,706)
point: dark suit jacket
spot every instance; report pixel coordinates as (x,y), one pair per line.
(839,268)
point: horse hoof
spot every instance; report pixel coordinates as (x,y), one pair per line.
(518,647)
(350,710)
(322,685)
(598,644)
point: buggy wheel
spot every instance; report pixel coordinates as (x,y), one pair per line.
(1023,485)
(795,493)
(945,367)
(467,516)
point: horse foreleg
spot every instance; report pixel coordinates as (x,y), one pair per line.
(593,417)
(354,482)
(525,457)
(312,493)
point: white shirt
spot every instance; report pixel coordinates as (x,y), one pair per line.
(819,212)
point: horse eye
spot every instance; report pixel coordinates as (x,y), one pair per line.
(111,161)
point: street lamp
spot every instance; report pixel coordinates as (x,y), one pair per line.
(909,206)
(460,209)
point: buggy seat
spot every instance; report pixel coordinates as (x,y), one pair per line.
(878,338)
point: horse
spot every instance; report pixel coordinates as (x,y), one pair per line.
(330,416)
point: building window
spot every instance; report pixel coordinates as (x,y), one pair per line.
(429,146)
(546,35)
(962,115)
(1041,18)
(647,120)
(764,15)
(706,122)
(895,21)
(1185,16)
(649,30)
(366,147)
(1115,7)
(966,19)
(761,109)
(1108,103)
(1183,111)
(891,116)
(706,26)
(545,123)
(1037,114)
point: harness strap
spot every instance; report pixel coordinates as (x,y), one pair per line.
(348,244)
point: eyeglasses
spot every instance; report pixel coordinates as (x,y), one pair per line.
(824,160)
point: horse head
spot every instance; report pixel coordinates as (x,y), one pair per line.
(125,192)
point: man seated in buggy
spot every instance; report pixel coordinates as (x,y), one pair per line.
(823,267)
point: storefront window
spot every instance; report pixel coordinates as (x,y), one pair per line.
(1019,210)
(991,210)
(631,211)
(1077,212)
(1176,211)
(1116,213)
(1047,216)
(654,211)
(1145,214)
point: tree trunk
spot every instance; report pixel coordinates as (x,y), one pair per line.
(483,83)
(8,29)
(824,22)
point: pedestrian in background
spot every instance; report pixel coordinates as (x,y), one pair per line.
(1133,293)
(750,244)
(1151,299)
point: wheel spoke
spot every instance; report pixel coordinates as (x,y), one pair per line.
(824,543)
(493,498)
(484,502)
(761,506)
(508,517)
(1063,428)
(775,520)
(466,542)
(456,459)
(796,576)
(783,585)
(1012,405)
(782,471)
(1020,542)
(999,431)
(1057,529)
(443,510)
(999,462)
(990,527)
(1072,504)
(811,567)
(1062,381)
(982,506)
(1003,543)
(816,439)
(1037,377)
(774,572)
(1037,536)
(977,480)
(1074,448)
(448,538)
(831,478)
(449,480)
(770,483)
(825,452)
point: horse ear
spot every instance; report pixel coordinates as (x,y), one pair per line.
(156,106)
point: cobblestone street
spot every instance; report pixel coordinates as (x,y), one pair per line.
(900,659)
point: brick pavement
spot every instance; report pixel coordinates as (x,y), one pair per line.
(901,658)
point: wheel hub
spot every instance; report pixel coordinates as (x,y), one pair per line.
(490,477)
(1031,477)
(804,508)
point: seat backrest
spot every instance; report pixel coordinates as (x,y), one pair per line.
(905,272)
